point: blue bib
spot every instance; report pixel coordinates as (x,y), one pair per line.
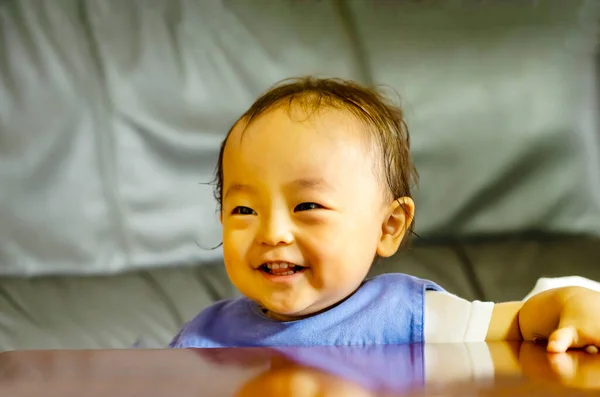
(386,309)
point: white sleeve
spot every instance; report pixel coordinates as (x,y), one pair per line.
(546,283)
(449,318)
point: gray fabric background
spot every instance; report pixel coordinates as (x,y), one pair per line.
(112,112)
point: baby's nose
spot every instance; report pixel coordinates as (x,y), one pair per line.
(276,231)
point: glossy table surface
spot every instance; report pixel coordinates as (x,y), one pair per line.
(515,370)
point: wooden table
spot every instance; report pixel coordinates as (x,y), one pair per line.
(516,370)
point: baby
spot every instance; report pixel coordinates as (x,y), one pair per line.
(314,183)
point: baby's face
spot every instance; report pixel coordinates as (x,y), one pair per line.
(302,210)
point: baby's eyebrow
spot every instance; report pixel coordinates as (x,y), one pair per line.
(311,184)
(319,184)
(238,188)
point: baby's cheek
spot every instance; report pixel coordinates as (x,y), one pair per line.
(236,243)
(340,267)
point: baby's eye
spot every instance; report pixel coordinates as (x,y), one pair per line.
(307,206)
(243,211)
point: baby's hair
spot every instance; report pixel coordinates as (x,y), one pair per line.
(384,120)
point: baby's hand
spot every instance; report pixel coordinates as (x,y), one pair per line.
(568,318)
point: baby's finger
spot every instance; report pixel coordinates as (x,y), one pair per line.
(562,339)
(591,349)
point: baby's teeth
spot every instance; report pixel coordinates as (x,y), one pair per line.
(279,265)
(282,265)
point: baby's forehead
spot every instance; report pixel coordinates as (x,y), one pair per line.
(279,147)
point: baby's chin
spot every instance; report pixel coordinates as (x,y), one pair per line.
(287,313)
(288,316)
(297,311)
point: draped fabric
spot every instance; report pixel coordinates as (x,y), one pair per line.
(111,115)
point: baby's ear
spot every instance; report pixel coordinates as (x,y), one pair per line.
(400,215)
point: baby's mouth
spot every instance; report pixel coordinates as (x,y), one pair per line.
(280,268)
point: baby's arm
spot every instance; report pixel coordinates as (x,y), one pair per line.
(566,317)
(571,302)
(449,318)
(504,323)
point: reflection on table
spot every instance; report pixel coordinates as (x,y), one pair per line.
(414,370)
